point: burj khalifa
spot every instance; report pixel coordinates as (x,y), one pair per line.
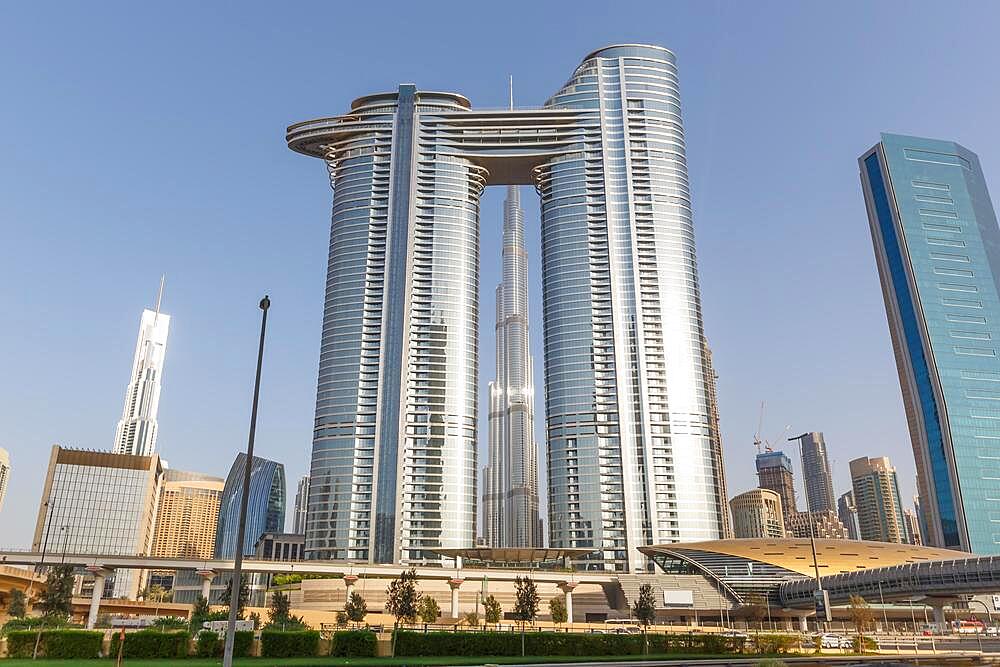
(510,500)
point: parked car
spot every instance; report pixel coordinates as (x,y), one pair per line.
(830,640)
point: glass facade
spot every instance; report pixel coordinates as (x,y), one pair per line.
(816,473)
(632,455)
(265,505)
(100,503)
(937,247)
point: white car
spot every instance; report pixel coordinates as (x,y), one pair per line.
(830,640)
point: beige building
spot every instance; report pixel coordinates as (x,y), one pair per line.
(757,513)
(188,515)
(823,524)
(876,495)
(100,503)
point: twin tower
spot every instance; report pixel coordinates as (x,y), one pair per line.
(633,450)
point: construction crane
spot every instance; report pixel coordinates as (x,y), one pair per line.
(758,443)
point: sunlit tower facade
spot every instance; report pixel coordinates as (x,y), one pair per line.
(510,498)
(137,429)
(630,441)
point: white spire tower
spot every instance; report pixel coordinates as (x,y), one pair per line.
(136,432)
(510,500)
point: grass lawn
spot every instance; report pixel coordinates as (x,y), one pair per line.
(332,662)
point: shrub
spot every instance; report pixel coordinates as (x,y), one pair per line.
(289,644)
(775,643)
(211,645)
(412,644)
(870,645)
(56,644)
(152,644)
(207,645)
(354,644)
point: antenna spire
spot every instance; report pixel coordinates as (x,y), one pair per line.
(511,92)
(159,295)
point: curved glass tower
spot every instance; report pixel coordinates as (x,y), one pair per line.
(632,454)
(265,505)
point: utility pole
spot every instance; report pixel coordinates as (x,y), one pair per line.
(820,594)
(236,581)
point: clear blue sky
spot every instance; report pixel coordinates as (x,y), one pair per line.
(144,139)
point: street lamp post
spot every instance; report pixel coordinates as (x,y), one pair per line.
(236,580)
(812,543)
(41,564)
(885,618)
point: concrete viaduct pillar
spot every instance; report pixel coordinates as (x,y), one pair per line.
(455,584)
(567,588)
(206,583)
(100,574)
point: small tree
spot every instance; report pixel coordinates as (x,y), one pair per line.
(471,619)
(525,604)
(244,595)
(557,610)
(861,616)
(428,609)
(56,598)
(342,619)
(278,609)
(492,609)
(401,599)
(17,606)
(199,614)
(644,609)
(356,608)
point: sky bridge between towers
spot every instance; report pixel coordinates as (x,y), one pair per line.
(508,143)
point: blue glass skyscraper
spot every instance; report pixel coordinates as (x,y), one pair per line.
(265,507)
(937,247)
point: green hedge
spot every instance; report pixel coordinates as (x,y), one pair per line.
(354,644)
(289,644)
(775,643)
(412,644)
(55,644)
(210,645)
(152,644)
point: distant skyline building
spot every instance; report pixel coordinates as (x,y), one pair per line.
(937,247)
(876,495)
(774,472)
(510,497)
(103,504)
(912,526)
(815,524)
(265,505)
(188,515)
(4,474)
(816,474)
(301,506)
(137,428)
(757,514)
(628,423)
(847,511)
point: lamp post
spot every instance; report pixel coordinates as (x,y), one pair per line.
(812,543)
(885,618)
(234,596)
(41,564)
